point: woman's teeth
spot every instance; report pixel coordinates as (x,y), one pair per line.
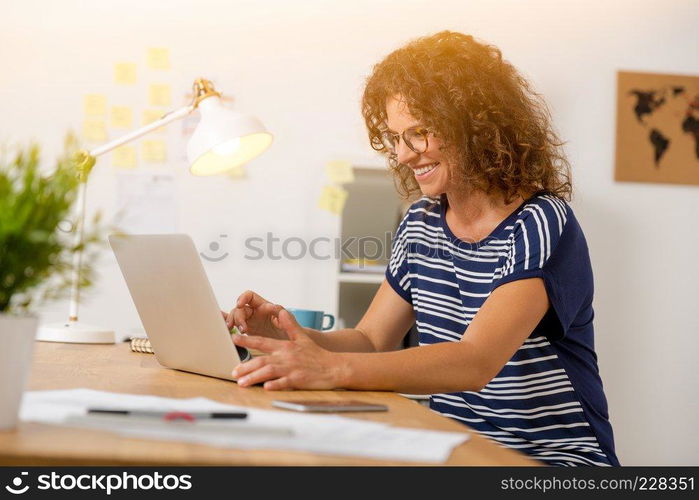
(425,169)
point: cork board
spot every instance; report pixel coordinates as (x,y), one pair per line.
(657,128)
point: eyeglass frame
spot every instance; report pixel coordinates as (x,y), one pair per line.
(425,131)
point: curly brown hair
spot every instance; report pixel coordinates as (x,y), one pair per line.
(495,128)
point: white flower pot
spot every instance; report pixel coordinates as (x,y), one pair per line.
(16,348)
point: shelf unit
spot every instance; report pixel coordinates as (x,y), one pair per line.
(371,215)
(346,277)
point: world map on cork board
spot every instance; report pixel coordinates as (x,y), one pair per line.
(657,128)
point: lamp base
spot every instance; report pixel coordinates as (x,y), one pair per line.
(74,332)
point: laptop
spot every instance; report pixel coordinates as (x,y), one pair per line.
(176,304)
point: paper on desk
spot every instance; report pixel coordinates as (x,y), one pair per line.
(326,434)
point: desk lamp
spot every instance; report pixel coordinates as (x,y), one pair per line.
(223,140)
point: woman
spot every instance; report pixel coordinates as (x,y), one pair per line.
(490,264)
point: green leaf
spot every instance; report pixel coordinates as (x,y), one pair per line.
(35,255)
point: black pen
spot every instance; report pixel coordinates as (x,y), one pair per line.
(169,415)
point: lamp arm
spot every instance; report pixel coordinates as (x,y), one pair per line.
(163,120)
(202,89)
(85,161)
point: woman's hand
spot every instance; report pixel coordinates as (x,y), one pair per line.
(256,316)
(297,363)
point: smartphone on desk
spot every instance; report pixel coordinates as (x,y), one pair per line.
(328,406)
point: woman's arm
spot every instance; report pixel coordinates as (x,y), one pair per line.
(499,328)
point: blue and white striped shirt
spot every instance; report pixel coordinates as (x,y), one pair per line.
(548,400)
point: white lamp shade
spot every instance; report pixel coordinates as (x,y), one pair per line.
(224,139)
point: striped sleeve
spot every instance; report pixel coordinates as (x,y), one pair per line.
(535,237)
(548,243)
(397,273)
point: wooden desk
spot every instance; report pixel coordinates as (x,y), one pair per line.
(117,369)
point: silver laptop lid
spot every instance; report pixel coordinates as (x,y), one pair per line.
(175,302)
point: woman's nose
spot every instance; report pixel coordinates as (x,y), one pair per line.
(403,153)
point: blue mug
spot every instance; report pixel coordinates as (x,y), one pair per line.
(313,319)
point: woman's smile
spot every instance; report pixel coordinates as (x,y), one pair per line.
(425,171)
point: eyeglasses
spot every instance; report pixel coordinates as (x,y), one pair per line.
(415,138)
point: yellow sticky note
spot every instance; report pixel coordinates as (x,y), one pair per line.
(159,95)
(125,73)
(95,104)
(124,157)
(154,151)
(158,58)
(340,171)
(122,117)
(94,131)
(151,115)
(333,199)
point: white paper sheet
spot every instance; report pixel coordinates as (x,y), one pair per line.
(327,434)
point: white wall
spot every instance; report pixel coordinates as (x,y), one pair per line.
(300,66)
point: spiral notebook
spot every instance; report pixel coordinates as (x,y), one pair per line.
(142,344)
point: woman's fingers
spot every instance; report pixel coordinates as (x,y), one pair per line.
(263,344)
(238,317)
(280,384)
(248,367)
(247,304)
(275,322)
(251,298)
(230,318)
(244,298)
(288,323)
(267,372)
(269,308)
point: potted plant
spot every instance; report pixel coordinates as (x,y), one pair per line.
(36,248)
